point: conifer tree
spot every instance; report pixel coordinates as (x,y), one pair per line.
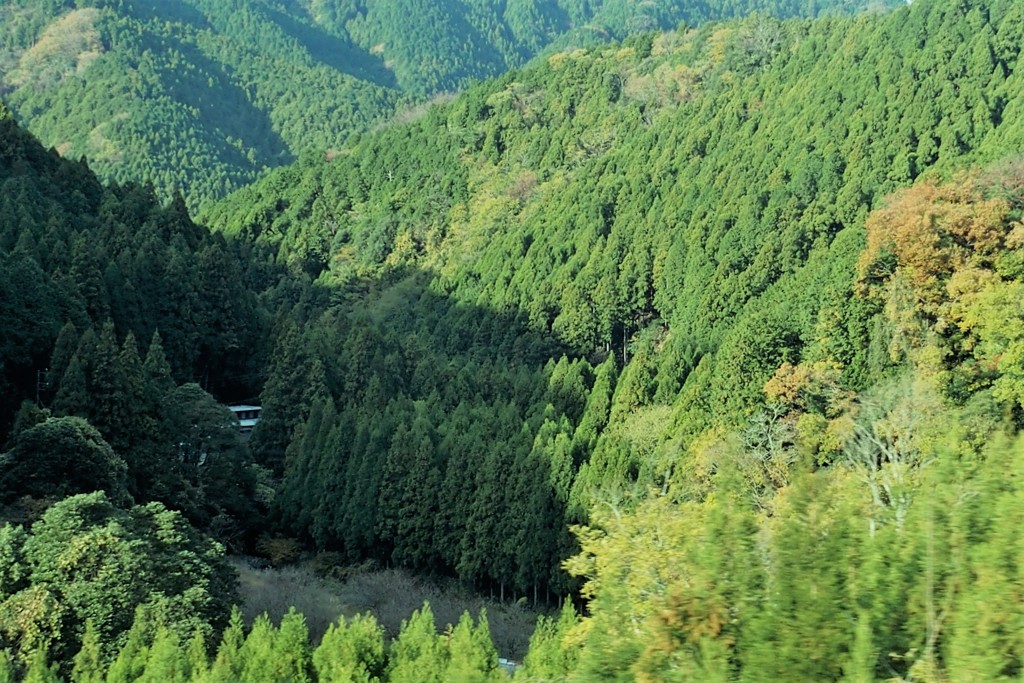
(284,398)
(6,663)
(595,414)
(408,494)
(258,655)
(459,450)
(471,654)
(228,664)
(292,649)
(153,472)
(109,394)
(40,670)
(535,506)
(418,655)
(88,664)
(166,662)
(130,663)
(197,659)
(311,460)
(63,350)
(135,425)
(88,276)
(550,656)
(73,395)
(156,371)
(351,652)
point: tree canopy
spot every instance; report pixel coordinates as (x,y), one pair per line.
(89,562)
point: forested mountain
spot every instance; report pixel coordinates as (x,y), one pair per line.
(201,96)
(716,330)
(682,216)
(679,216)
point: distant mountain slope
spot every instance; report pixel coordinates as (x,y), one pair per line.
(187,99)
(674,178)
(201,96)
(433,46)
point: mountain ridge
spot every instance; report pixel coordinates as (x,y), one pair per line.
(202,97)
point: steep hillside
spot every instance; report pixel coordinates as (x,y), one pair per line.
(200,96)
(717,330)
(676,192)
(683,213)
(789,397)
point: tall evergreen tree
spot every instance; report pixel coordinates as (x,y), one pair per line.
(109,395)
(166,662)
(40,670)
(471,654)
(418,654)
(88,663)
(228,664)
(63,350)
(73,395)
(409,494)
(156,373)
(351,651)
(284,398)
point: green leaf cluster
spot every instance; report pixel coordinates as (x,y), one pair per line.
(89,562)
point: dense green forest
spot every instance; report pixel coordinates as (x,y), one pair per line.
(716,331)
(592,220)
(201,96)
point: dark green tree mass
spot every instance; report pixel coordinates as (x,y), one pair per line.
(59,457)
